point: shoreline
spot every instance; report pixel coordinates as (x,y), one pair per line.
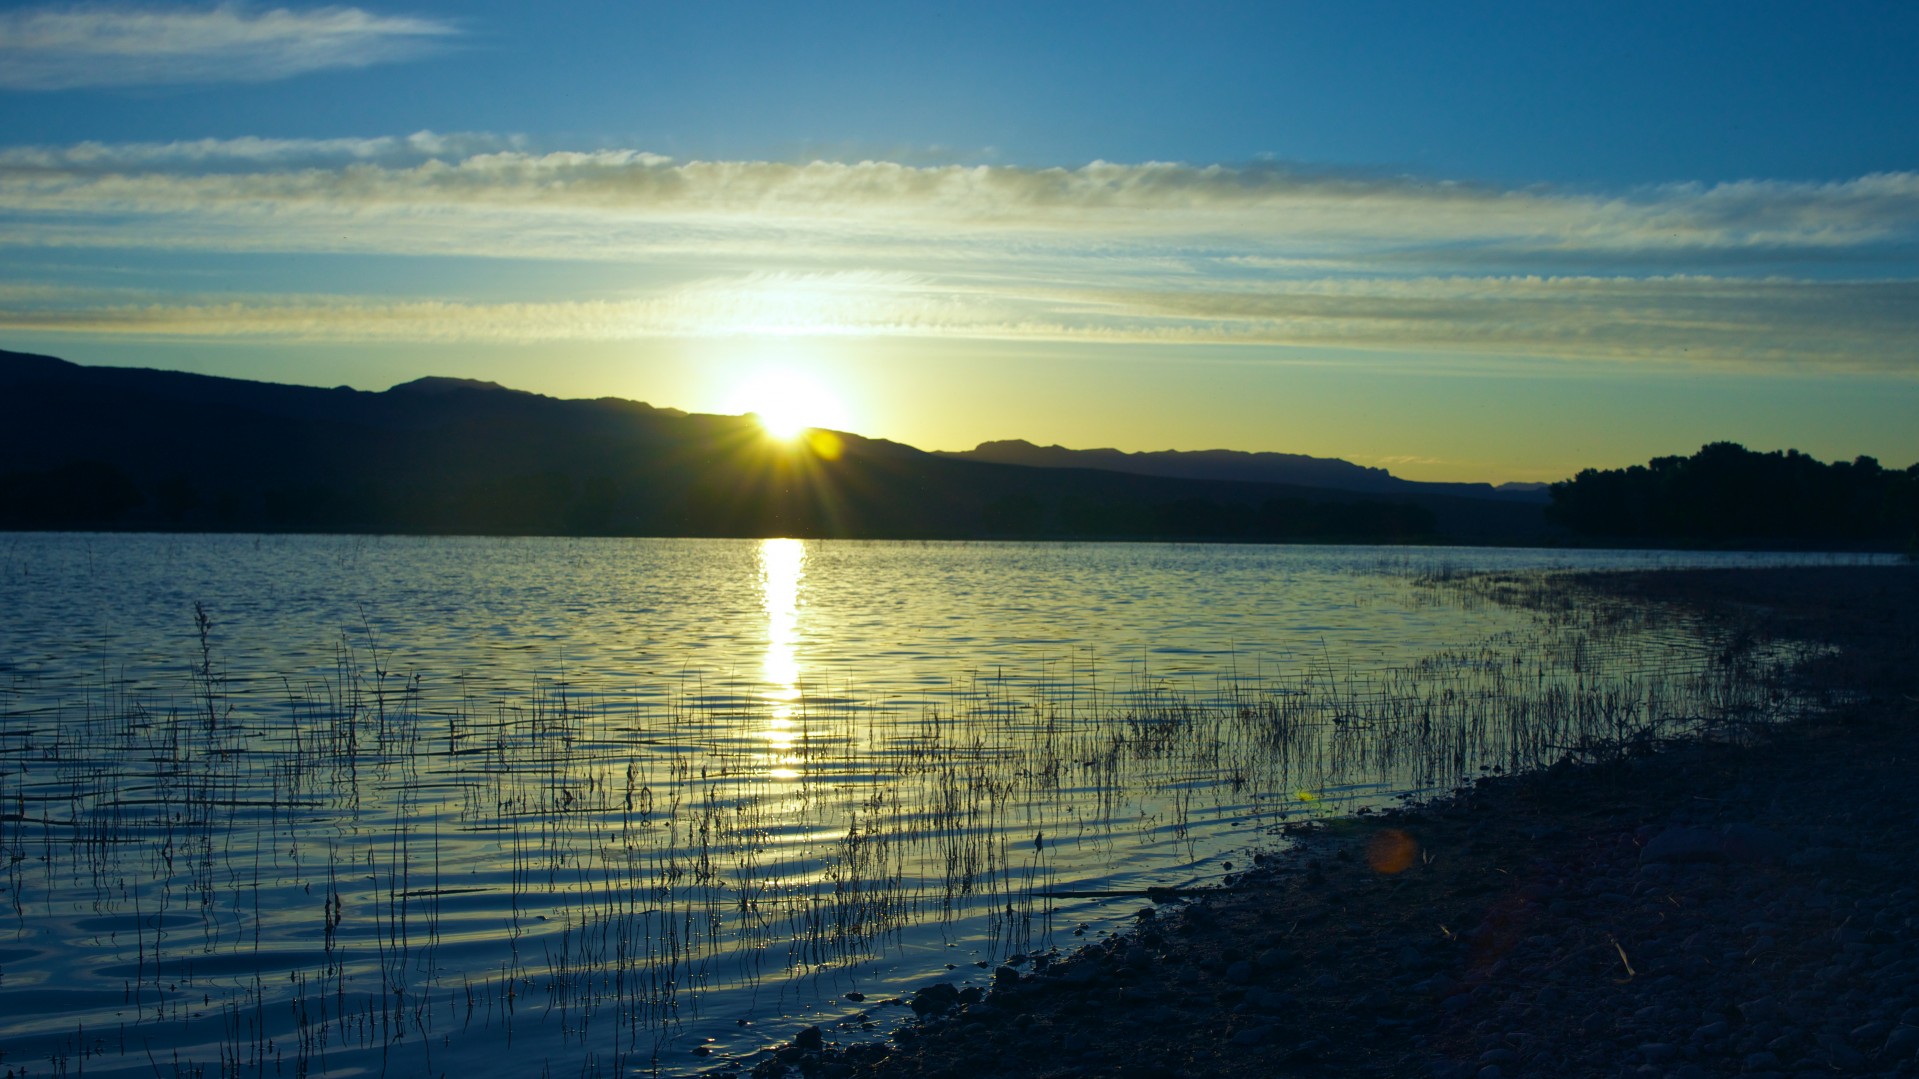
(1710,909)
(1678,545)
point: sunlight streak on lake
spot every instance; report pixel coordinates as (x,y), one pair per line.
(782,565)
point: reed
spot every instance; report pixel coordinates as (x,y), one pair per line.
(370,869)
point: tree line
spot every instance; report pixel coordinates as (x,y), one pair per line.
(1728,495)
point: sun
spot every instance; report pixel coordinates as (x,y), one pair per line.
(788,404)
(784,420)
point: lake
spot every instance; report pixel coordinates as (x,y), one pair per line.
(348,805)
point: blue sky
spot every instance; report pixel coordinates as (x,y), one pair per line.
(1465,241)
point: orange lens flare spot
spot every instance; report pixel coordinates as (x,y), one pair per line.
(1391,851)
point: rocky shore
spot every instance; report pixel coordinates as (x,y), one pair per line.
(1739,908)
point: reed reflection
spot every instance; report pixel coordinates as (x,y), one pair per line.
(782,567)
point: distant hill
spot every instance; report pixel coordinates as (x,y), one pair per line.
(1289,468)
(128,448)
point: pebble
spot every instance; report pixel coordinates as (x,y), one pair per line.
(1249,1035)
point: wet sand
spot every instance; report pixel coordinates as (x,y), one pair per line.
(1748,907)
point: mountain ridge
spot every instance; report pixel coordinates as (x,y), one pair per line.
(1251,466)
(139,448)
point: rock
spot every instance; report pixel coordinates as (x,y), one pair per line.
(936,999)
(1273,959)
(809,1039)
(1751,843)
(1249,1035)
(1078,973)
(1872,1033)
(1268,1000)
(982,1013)
(1004,976)
(1240,973)
(1903,1042)
(1682,845)
(1839,1055)
(1658,1052)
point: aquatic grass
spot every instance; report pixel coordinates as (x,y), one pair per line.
(360,867)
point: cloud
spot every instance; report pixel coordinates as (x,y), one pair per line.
(71,47)
(251,153)
(1745,323)
(388,191)
(1772,273)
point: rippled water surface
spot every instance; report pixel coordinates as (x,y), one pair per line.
(342,805)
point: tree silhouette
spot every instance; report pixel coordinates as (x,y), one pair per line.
(1727,494)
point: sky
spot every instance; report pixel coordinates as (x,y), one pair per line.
(1462,241)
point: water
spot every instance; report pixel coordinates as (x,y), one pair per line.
(344,804)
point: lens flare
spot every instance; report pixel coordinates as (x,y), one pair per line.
(1391,851)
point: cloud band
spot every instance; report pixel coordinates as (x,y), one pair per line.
(1761,272)
(66,48)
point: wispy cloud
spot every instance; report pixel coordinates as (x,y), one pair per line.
(1252,213)
(101,45)
(1770,273)
(253,153)
(1779,323)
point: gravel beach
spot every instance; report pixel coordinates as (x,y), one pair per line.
(1738,908)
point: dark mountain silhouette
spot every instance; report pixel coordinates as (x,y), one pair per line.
(125,448)
(1289,468)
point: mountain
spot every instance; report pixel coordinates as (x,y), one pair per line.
(129,448)
(1288,468)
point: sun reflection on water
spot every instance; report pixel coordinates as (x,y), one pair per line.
(782,566)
